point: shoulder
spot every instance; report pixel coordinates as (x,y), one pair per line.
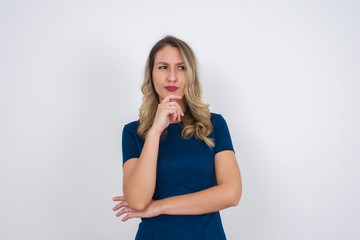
(214,115)
(216,118)
(220,133)
(132,126)
(219,123)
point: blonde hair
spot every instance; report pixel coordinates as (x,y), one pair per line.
(196,120)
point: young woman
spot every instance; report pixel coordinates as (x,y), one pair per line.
(179,165)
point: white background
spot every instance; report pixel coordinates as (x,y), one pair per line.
(284,74)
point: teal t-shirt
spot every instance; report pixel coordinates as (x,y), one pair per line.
(184,166)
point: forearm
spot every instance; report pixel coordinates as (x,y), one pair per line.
(206,201)
(140,184)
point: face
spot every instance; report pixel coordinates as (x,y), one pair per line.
(169,73)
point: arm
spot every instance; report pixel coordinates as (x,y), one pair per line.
(226,194)
(139,176)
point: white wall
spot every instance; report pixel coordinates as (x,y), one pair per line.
(284,75)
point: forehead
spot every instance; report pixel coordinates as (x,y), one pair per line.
(169,54)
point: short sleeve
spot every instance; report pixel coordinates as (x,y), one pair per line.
(222,136)
(130,147)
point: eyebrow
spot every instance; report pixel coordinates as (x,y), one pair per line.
(165,63)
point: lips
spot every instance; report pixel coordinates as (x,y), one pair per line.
(171,88)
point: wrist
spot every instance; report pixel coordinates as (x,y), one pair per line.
(159,207)
(154,132)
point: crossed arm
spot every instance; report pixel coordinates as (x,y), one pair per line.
(139,199)
(226,194)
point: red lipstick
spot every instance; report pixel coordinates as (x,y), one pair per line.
(171,88)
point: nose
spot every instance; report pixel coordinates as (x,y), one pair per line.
(172,77)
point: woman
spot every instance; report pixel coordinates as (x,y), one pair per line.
(179,165)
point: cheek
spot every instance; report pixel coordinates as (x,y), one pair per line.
(156,82)
(185,81)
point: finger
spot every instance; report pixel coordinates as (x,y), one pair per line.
(127,210)
(118,198)
(120,205)
(127,217)
(179,111)
(130,215)
(172,113)
(121,212)
(177,117)
(124,210)
(177,105)
(168,98)
(171,104)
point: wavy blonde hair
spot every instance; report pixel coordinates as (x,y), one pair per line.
(196,120)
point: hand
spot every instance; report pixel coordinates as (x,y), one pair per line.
(152,210)
(168,110)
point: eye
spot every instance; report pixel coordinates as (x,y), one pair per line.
(181,67)
(163,67)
